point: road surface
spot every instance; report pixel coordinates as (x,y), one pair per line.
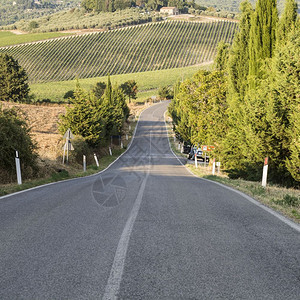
(144,229)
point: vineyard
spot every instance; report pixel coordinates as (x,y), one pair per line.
(148,47)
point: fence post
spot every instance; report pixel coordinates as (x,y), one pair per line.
(96,160)
(265,173)
(84,163)
(214,167)
(18,168)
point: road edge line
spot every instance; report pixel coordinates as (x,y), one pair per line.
(78,178)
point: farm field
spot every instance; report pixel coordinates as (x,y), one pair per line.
(148,82)
(8,38)
(150,47)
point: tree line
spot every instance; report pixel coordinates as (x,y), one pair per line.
(249,106)
(113,5)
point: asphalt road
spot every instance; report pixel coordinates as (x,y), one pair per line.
(144,229)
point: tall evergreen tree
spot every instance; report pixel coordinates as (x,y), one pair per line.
(287,20)
(108,90)
(13,80)
(262,34)
(238,64)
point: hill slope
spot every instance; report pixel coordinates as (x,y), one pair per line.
(149,47)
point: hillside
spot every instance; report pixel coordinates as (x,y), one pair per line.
(154,46)
(234,5)
(14,10)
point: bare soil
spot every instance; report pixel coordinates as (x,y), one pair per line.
(43,120)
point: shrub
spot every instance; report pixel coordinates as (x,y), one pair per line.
(15,135)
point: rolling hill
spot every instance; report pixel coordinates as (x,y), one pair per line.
(148,47)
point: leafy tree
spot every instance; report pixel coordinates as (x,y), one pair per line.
(199,108)
(13,80)
(99,89)
(69,94)
(15,135)
(33,25)
(165,92)
(130,89)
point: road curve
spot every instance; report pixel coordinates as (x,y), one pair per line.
(144,229)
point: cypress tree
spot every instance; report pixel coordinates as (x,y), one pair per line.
(287,21)
(262,34)
(108,91)
(238,62)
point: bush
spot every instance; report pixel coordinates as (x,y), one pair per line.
(15,135)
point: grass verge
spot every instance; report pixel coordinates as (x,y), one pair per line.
(63,174)
(148,83)
(283,200)
(71,171)
(8,38)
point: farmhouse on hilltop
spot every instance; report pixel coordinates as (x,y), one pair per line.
(169,10)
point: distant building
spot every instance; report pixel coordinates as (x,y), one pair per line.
(169,10)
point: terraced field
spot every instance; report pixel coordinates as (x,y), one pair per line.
(154,46)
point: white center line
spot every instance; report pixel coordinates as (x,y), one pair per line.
(115,277)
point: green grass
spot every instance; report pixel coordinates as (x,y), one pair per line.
(148,83)
(8,38)
(286,201)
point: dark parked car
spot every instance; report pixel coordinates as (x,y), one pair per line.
(200,155)
(186,148)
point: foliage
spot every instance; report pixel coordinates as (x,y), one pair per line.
(81,19)
(13,80)
(99,89)
(130,89)
(199,108)
(12,11)
(255,120)
(15,135)
(287,20)
(164,92)
(221,59)
(95,119)
(164,45)
(262,34)
(69,94)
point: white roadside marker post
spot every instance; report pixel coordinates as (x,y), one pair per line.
(110,152)
(126,137)
(96,160)
(214,167)
(122,145)
(84,163)
(18,168)
(218,165)
(265,173)
(196,161)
